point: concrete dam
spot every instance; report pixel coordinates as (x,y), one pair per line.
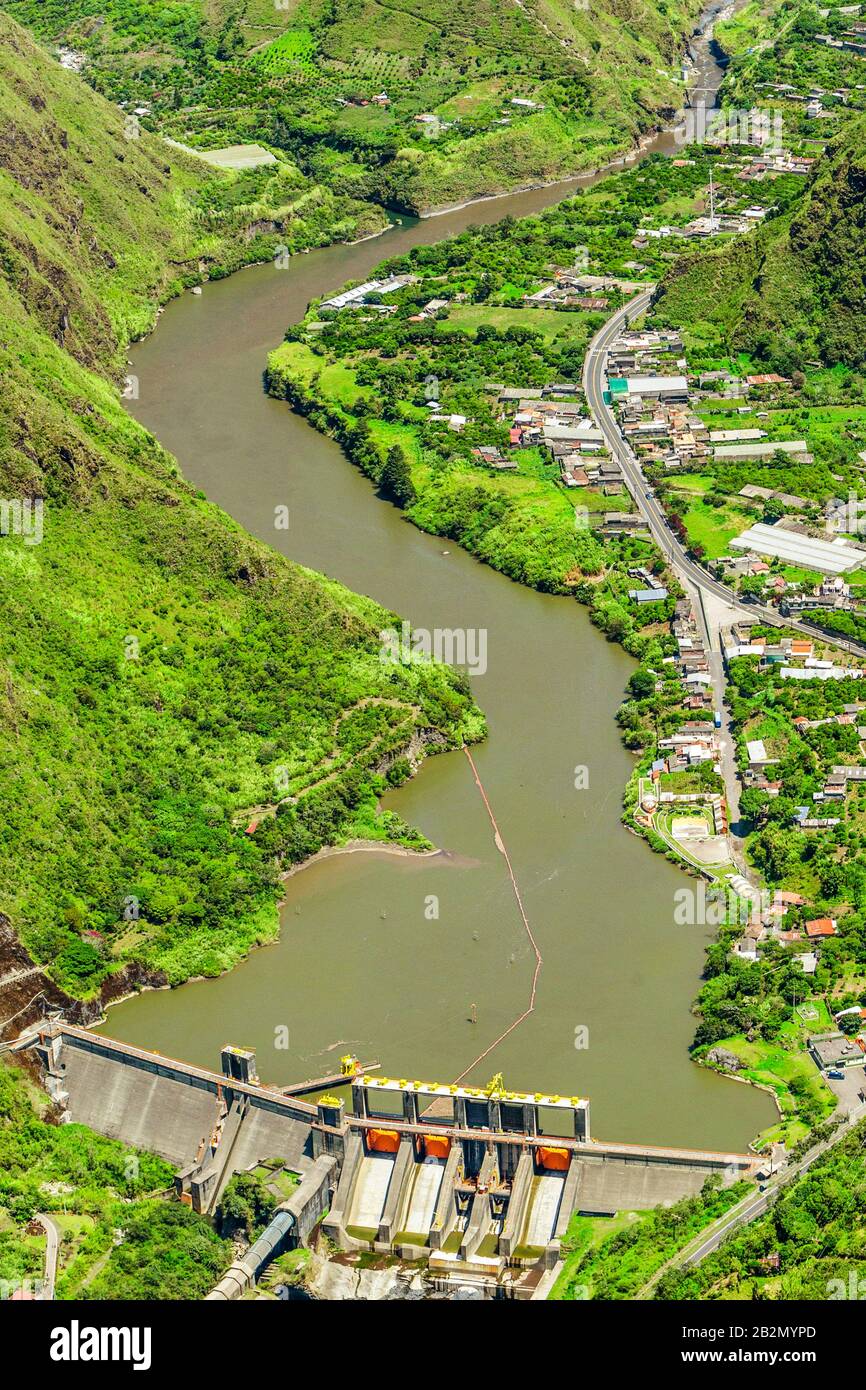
(479,1182)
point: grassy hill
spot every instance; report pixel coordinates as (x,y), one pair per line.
(797,291)
(303,76)
(161,672)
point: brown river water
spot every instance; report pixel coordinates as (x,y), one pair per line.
(359,965)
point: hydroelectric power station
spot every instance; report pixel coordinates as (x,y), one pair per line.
(479,1182)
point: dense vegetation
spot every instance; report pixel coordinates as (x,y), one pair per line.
(600,1263)
(246,1205)
(829,866)
(774,49)
(161,671)
(118,1239)
(794,293)
(303,77)
(811,1244)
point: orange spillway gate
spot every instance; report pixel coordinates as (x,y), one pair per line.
(383,1141)
(437,1145)
(556,1159)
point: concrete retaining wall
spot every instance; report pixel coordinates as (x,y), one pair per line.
(520,1189)
(445,1214)
(616,1184)
(170,1117)
(170,1108)
(335,1220)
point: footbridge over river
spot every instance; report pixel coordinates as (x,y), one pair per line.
(480,1182)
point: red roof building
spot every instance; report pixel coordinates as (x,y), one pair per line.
(822,926)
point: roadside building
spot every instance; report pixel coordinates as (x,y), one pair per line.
(663,388)
(647,595)
(831,1050)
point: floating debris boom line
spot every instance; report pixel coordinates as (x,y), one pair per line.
(501,846)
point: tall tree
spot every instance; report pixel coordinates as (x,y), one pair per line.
(396,478)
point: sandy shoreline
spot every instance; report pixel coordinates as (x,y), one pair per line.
(360,847)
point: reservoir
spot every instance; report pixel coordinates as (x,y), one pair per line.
(361,964)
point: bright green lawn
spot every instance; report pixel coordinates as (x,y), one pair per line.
(772,1065)
(714,527)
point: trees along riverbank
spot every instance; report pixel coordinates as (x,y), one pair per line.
(455,333)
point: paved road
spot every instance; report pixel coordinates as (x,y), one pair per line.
(700,582)
(52,1246)
(695,579)
(693,574)
(758,1205)
(706,591)
(752,1206)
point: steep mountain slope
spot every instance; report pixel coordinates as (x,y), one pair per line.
(161,672)
(797,291)
(417,103)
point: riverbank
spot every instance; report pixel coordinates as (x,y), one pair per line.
(569,181)
(261,250)
(402,983)
(361,847)
(357,378)
(639,638)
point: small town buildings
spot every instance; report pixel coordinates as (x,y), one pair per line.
(352,298)
(489,455)
(619,523)
(760,449)
(811,553)
(664,388)
(647,595)
(738,437)
(758,756)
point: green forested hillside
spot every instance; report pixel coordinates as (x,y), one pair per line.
(161,672)
(797,291)
(810,1245)
(119,1238)
(98,226)
(309,77)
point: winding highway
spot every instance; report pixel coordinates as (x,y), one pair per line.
(695,577)
(693,574)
